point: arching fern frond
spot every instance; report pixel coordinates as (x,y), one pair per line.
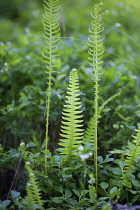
(95,60)
(50,51)
(89,133)
(135,153)
(71,129)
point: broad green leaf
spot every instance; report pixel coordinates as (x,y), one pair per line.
(91,181)
(57,200)
(76,192)
(68,194)
(5,203)
(100,159)
(102,191)
(92,193)
(84,192)
(104,185)
(113,192)
(127,183)
(15,194)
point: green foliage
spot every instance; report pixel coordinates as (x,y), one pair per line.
(134,153)
(129,166)
(72,132)
(23,103)
(106,207)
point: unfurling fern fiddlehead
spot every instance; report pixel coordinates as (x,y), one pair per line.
(72,132)
(95,59)
(50,51)
(135,153)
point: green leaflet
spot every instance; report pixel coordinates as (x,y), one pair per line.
(135,153)
(71,130)
(95,60)
(50,51)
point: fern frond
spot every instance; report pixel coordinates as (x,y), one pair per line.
(51,34)
(135,153)
(89,133)
(50,51)
(30,198)
(95,42)
(32,188)
(71,129)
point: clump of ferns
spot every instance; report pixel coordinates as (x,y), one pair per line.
(50,52)
(71,129)
(129,166)
(95,60)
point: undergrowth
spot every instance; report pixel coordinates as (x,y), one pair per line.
(76,176)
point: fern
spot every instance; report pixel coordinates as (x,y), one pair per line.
(72,132)
(135,153)
(32,189)
(30,198)
(34,196)
(50,52)
(89,133)
(95,59)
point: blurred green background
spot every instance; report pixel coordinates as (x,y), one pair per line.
(23,81)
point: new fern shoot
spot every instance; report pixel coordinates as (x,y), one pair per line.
(71,130)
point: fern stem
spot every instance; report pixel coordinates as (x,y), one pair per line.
(95,135)
(47,122)
(72,121)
